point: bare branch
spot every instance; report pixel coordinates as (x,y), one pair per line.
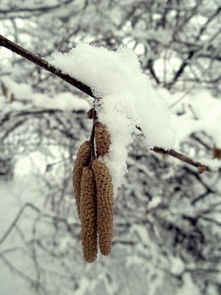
(152,71)
(44,64)
(181,69)
(201,167)
(42,9)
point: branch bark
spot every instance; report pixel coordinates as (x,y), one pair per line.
(4,42)
(201,168)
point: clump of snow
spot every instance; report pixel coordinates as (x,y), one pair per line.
(117,75)
(154,202)
(177,265)
(127,98)
(121,136)
(20,90)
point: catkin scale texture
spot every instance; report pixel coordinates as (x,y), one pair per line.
(82,159)
(102,138)
(104,194)
(88,215)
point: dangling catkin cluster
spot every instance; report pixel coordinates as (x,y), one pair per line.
(93,190)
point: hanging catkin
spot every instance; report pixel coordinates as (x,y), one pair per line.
(82,159)
(102,138)
(104,194)
(88,215)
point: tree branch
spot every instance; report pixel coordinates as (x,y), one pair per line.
(181,69)
(34,9)
(87,90)
(201,167)
(44,64)
(151,69)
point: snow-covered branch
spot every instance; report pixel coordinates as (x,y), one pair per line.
(87,90)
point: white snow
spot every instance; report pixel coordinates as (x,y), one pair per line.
(127,99)
(154,202)
(23,93)
(62,101)
(177,265)
(188,286)
(199,111)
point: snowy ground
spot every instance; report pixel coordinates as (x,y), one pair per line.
(14,195)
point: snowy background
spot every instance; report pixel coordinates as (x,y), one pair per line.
(167,224)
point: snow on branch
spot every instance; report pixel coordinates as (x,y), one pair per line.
(127,98)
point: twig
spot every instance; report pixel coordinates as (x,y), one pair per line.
(44,64)
(201,167)
(87,90)
(36,284)
(13,224)
(92,115)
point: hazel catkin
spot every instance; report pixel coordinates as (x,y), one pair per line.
(88,215)
(82,159)
(102,138)
(104,194)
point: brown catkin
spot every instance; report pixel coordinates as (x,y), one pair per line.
(102,138)
(82,159)
(104,193)
(88,215)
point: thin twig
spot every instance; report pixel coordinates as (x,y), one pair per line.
(93,113)
(44,64)
(201,167)
(13,224)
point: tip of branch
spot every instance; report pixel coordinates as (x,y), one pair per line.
(202,169)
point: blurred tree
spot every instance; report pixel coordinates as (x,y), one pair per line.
(167,230)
